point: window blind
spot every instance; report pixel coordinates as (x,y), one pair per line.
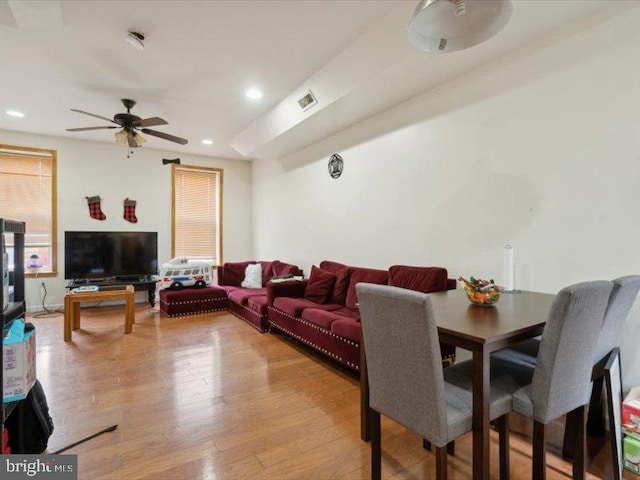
(196,213)
(27,190)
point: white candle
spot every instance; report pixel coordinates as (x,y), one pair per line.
(509,269)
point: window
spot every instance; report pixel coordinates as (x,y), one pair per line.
(197,213)
(28,194)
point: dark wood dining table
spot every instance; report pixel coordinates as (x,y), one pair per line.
(482,330)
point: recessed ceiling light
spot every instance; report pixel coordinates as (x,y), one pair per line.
(254,94)
(207,141)
(15,113)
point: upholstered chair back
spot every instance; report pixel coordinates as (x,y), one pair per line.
(562,377)
(403,359)
(624,293)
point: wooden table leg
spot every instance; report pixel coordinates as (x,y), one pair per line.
(481,387)
(129,313)
(76,314)
(68,318)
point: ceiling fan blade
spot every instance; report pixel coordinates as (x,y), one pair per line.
(92,115)
(132,140)
(150,122)
(166,136)
(86,128)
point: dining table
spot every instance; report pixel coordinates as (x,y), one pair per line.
(515,317)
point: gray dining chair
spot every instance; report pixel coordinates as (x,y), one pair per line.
(623,295)
(406,380)
(524,356)
(560,382)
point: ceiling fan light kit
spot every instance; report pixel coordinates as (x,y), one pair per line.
(442,26)
(130,125)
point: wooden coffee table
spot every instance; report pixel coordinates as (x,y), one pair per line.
(72,301)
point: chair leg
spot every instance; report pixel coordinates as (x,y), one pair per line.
(502,425)
(580,450)
(376,446)
(570,434)
(614,399)
(441,463)
(595,418)
(539,451)
(451,448)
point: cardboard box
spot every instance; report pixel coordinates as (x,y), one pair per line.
(631,413)
(631,454)
(19,361)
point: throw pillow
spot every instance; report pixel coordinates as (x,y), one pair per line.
(266,271)
(343,274)
(320,285)
(233,273)
(280,269)
(252,276)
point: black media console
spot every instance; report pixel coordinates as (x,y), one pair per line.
(140,284)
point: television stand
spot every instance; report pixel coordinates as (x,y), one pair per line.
(140,284)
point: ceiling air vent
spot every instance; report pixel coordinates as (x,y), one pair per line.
(307,101)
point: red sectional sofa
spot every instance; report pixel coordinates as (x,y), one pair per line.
(250,304)
(322,311)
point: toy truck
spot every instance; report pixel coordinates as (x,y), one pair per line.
(182,272)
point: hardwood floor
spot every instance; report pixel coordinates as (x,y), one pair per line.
(208,397)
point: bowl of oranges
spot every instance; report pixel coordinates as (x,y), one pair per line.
(484,293)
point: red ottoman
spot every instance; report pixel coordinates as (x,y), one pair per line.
(191,301)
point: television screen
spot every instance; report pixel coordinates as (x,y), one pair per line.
(110,254)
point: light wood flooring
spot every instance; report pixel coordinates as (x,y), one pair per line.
(208,397)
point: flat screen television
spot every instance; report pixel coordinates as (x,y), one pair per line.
(110,254)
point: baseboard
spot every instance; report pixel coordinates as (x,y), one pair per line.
(38,308)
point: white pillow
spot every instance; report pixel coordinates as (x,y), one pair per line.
(252,276)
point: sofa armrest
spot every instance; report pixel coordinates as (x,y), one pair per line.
(452,284)
(293,289)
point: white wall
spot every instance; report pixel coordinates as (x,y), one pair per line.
(92,168)
(541,150)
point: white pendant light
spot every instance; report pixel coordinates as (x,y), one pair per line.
(451,25)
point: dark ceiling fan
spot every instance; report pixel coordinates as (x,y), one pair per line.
(130,125)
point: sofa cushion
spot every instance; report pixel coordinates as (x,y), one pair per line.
(420,279)
(234,272)
(322,318)
(258,304)
(366,275)
(241,295)
(347,328)
(295,306)
(349,313)
(267,272)
(342,273)
(228,288)
(279,269)
(320,285)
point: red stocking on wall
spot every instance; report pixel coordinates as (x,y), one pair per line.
(130,210)
(94,208)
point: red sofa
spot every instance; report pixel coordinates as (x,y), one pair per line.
(322,311)
(250,304)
